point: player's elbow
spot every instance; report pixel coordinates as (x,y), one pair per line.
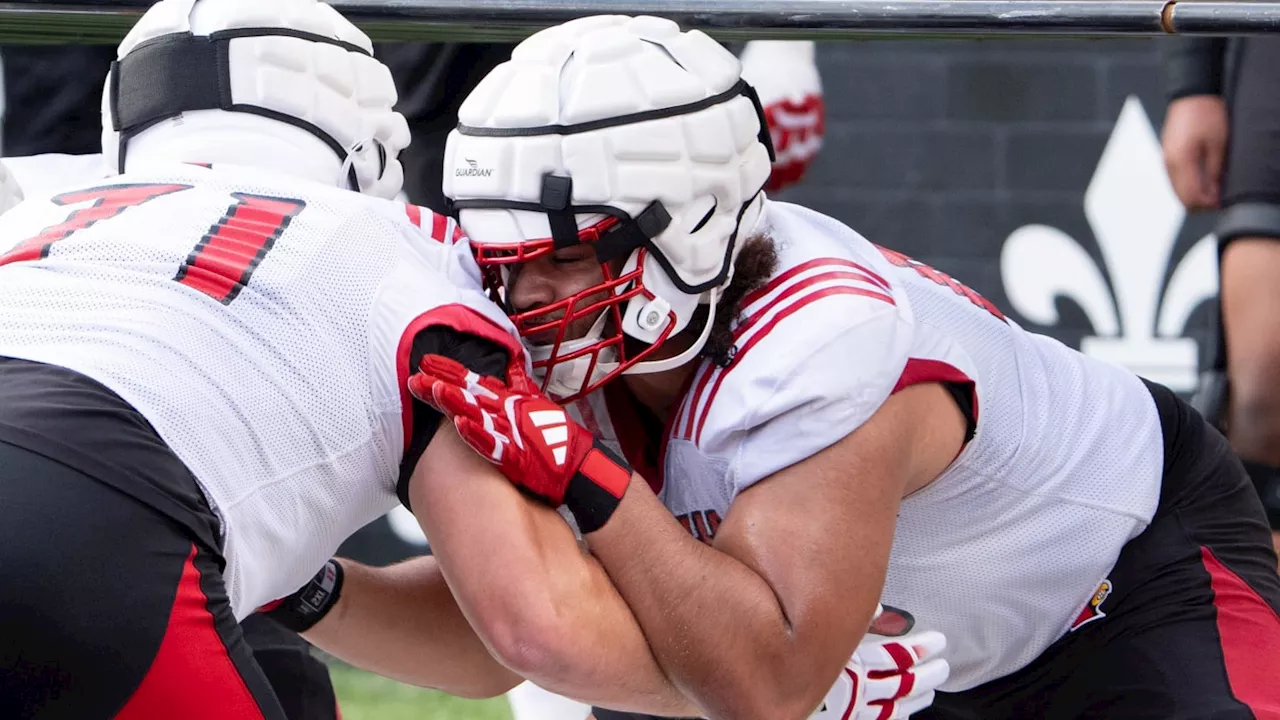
(530,649)
(530,638)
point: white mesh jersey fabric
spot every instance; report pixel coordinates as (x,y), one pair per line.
(285,401)
(1002,551)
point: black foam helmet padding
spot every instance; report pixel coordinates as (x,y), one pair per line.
(172,74)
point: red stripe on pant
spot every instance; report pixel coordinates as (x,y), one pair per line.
(192,676)
(1250,634)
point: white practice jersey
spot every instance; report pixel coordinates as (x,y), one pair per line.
(1006,547)
(263,325)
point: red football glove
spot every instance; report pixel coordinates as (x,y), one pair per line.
(535,444)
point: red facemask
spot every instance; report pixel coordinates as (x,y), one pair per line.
(570,368)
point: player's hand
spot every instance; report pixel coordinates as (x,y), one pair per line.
(785,76)
(1195,148)
(890,676)
(535,444)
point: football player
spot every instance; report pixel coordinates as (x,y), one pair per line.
(776,423)
(786,77)
(203,364)
(300,683)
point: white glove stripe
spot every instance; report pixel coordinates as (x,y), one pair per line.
(510,407)
(491,427)
(473,384)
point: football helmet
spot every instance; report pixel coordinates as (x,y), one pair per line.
(255,82)
(629,135)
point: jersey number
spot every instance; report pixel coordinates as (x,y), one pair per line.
(222,262)
(108,202)
(941,278)
(225,258)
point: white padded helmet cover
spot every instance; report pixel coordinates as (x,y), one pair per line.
(703,165)
(342,91)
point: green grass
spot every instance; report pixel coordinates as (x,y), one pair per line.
(365,696)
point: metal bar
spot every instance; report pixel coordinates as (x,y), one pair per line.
(1207,18)
(464,20)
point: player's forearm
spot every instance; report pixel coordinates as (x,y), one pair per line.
(715,625)
(403,623)
(543,607)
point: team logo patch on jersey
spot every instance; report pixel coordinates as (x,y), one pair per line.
(1093,609)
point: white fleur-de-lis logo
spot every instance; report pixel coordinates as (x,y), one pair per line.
(1138,320)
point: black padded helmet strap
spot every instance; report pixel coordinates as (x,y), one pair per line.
(173,74)
(557,203)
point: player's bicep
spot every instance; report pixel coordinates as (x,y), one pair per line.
(819,531)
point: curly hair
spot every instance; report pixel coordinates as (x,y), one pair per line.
(756,263)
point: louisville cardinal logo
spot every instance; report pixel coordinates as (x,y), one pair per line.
(1093,609)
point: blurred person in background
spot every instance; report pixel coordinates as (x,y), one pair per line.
(432,79)
(1221,141)
(52,98)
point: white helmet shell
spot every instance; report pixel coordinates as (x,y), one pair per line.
(628,117)
(197,72)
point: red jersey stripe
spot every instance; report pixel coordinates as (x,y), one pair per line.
(439,227)
(415,214)
(775,283)
(786,312)
(686,424)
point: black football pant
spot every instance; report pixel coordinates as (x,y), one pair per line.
(1189,629)
(110,609)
